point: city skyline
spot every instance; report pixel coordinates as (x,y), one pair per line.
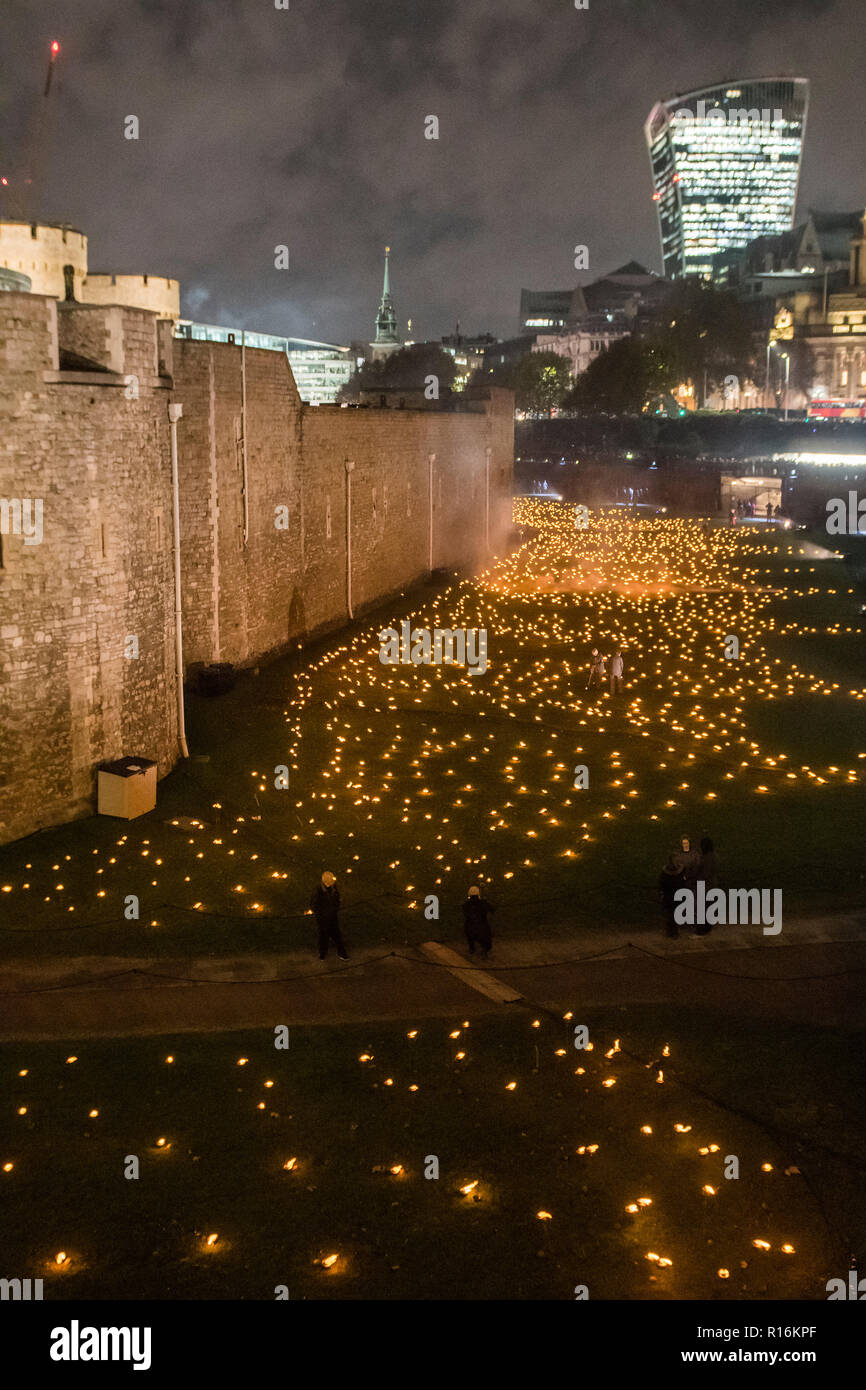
(470,216)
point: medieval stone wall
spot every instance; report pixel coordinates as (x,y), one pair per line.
(246,598)
(87,614)
(86,628)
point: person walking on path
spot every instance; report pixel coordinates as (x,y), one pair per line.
(325,906)
(616,673)
(671,879)
(475,923)
(596,669)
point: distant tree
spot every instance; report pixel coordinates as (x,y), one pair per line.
(705,330)
(623,378)
(540,382)
(404,370)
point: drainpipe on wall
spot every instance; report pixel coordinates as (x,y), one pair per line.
(174,414)
(431,459)
(244,436)
(350,466)
(487,452)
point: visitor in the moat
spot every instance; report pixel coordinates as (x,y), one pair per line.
(596,669)
(616,672)
(671,879)
(708,876)
(475,923)
(325,905)
(687,859)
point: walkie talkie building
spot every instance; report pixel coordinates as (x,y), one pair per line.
(725,165)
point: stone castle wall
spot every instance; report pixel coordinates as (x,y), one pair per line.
(71,693)
(245,599)
(263,489)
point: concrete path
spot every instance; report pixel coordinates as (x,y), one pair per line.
(813,971)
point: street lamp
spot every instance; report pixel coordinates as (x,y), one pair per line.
(787,376)
(767,375)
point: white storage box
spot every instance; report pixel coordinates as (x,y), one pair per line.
(127,788)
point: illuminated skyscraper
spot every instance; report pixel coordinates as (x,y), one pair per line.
(725,164)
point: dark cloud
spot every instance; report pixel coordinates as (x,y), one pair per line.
(306,127)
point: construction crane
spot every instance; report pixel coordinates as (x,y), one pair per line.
(25,198)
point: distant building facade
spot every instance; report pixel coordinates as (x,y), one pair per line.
(319,369)
(549,311)
(825,333)
(468,354)
(582,345)
(621,295)
(725,166)
(583,322)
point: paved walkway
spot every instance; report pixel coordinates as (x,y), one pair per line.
(814,970)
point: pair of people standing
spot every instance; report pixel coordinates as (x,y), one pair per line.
(597,671)
(685,868)
(325,907)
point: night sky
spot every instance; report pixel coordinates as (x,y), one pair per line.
(306,127)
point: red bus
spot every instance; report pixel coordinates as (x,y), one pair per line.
(837,410)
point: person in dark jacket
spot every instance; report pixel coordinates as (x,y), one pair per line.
(325,905)
(707,873)
(475,923)
(671,879)
(687,859)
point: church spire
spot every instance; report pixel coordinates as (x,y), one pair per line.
(387,339)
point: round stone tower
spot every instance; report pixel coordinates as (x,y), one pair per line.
(52,255)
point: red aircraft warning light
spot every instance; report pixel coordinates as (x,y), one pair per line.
(55,47)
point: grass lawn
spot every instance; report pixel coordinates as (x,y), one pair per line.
(410,781)
(772,1097)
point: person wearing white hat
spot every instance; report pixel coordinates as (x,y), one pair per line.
(325,906)
(475,923)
